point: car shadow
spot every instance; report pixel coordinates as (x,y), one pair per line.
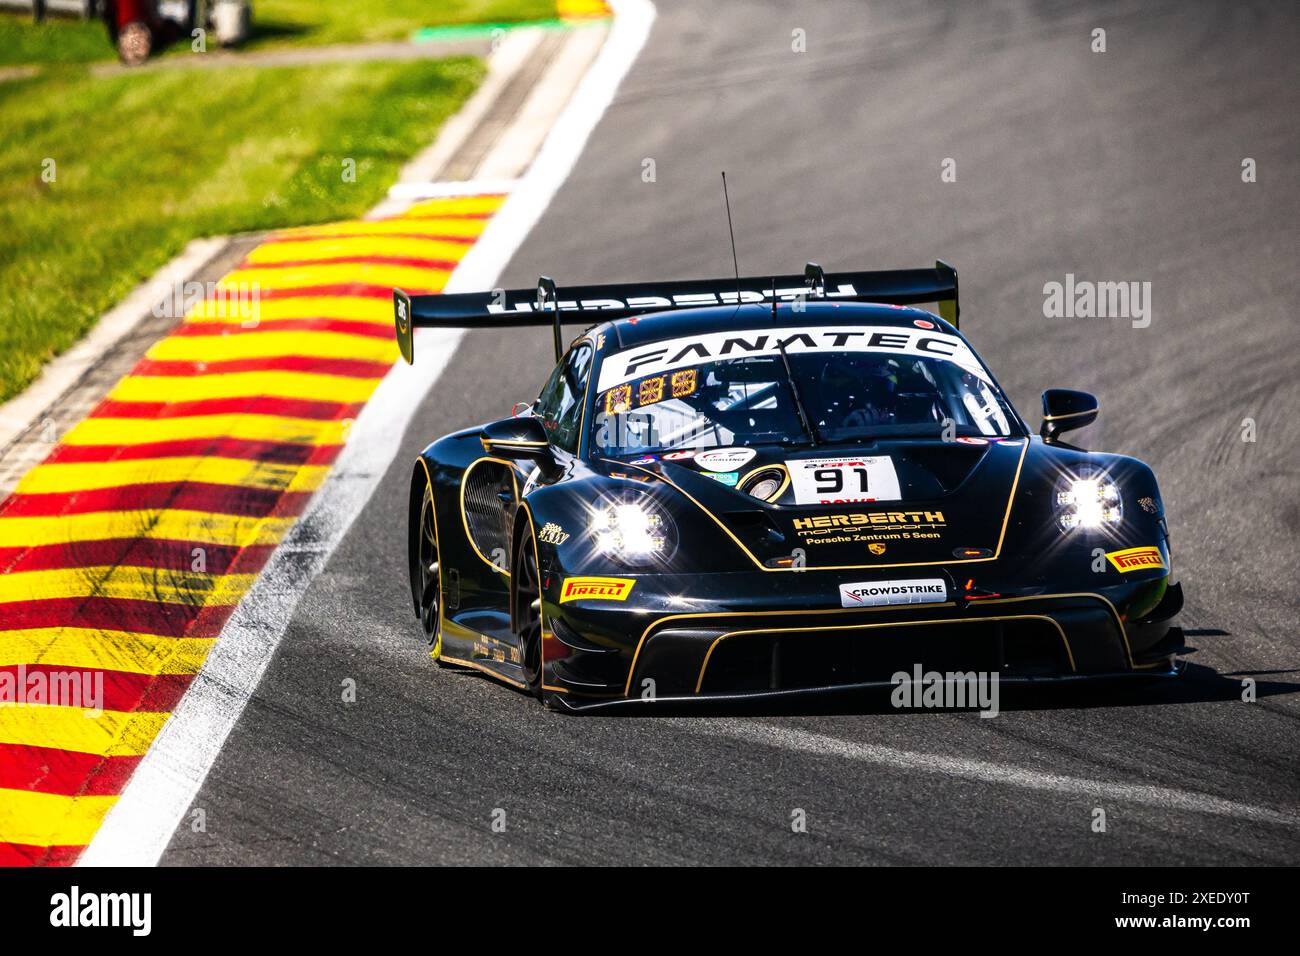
(1196,684)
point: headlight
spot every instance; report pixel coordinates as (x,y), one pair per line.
(1089,502)
(629,530)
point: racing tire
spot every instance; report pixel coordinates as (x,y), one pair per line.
(423,558)
(526,593)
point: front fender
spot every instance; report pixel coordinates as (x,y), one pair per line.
(1085,559)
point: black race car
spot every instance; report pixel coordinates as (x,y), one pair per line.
(774,487)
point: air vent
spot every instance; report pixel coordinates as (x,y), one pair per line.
(488,488)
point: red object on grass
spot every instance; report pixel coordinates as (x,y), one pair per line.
(132,11)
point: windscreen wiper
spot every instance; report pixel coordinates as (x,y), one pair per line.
(809,428)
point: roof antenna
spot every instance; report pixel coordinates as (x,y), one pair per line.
(735,263)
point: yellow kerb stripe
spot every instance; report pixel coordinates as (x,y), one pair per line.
(142,431)
(50,819)
(462,228)
(582,9)
(335,248)
(113,733)
(264,343)
(199,527)
(353,308)
(95,649)
(305,385)
(159,585)
(240,472)
(307,276)
(457,205)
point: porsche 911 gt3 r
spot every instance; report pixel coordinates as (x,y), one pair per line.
(774,487)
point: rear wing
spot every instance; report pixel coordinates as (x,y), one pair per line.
(543,306)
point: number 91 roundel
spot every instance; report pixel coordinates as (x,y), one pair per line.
(830,481)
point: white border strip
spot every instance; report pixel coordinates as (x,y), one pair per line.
(140,825)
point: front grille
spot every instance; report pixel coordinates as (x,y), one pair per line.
(800,659)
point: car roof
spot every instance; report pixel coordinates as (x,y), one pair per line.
(656,326)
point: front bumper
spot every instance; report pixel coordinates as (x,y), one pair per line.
(751,636)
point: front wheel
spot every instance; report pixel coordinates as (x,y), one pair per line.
(426,571)
(528,612)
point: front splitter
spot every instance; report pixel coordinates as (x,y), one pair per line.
(565,704)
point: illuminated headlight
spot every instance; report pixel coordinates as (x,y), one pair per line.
(628,530)
(1088,503)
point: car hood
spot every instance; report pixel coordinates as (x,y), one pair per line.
(953,503)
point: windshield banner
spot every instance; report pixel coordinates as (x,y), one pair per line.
(656,357)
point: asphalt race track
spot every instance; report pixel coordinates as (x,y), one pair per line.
(1120,166)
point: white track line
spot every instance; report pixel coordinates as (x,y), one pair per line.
(138,828)
(982,771)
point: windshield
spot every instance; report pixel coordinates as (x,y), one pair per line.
(907,385)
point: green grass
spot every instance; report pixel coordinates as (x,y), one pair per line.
(147,161)
(276,24)
(311,22)
(57,40)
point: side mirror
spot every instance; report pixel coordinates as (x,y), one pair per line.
(1065,409)
(519,439)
